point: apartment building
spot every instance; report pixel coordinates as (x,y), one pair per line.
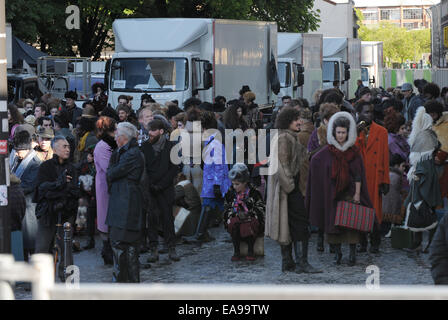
(410,14)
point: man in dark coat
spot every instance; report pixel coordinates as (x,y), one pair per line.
(161,173)
(438,253)
(124,214)
(25,165)
(56,194)
(70,105)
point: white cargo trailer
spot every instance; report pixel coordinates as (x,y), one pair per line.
(372,63)
(299,60)
(342,62)
(177,58)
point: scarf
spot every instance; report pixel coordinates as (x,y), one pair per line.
(340,167)
(240,201)
(20,166)
(159,144)
(110,141)
(82,142)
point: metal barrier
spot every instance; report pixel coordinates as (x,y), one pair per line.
(41,274)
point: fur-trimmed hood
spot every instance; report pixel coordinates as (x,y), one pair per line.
(352,132)
(441,129)
(422,121)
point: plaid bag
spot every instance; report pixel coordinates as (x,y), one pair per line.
(354,216)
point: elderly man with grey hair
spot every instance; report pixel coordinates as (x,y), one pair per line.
(56,195)
(124,214)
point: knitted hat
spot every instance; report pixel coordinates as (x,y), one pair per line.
(110,112)
(239,172)
(22,141)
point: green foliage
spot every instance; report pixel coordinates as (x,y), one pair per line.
(399,44)
(43,21)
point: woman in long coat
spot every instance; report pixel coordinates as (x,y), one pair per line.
(286,216)
(102,153)
(337,174)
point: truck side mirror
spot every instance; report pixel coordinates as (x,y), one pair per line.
(371,81)
(300,76)
(346,71)
(106,75)
(207,79)
(208,66)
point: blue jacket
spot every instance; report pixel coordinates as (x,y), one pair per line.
(213,173)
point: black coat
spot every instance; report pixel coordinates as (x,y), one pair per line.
(123,178)
(53,191)
(438,253)
(160,170)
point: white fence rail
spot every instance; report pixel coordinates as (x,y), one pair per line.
(40,273)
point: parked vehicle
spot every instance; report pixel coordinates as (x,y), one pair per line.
(341,62)
(372,63)
(299,64)
(178,58)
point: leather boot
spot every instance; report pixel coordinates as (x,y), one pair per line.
(320,241)
(90,244)
(107,254)
(172,254)
(338,253)
(298,256)
(352,256)
(303,262)
(132,264)
(287,261)
(120,272)
(201,234)
(153,254)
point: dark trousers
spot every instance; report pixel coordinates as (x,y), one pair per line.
(46,234)
(126,265)
(236,240)
(91,216)
(161,215)
(297,217)
(375,236)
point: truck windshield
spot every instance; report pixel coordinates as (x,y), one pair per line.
(364,74)
(330,71)
(149,74)
(284,74)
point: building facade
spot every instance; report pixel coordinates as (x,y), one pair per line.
(439,35)
(409,14)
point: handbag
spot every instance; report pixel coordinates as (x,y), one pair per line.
(402,238)
(354,216)
(419,216)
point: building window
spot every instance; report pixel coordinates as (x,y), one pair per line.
(412,14)
(411,25)
(370,15)
(390,14)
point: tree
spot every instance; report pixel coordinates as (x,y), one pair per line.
(399,44)
(43,22)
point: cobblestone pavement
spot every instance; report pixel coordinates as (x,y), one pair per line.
(210,263)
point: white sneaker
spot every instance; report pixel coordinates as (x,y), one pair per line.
(388,235)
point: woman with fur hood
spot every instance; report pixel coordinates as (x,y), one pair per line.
(422,175)
(337,173)
(286,216)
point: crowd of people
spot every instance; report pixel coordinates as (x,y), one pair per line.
(110,170)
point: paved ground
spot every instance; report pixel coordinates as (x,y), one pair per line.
(211,263)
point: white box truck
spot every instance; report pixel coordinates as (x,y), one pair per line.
(372,63)
(299,65)
(177,58)
(341,62)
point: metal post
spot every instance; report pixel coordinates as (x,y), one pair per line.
(5,228)
(68,255)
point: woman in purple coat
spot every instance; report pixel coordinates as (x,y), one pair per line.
(103,150)
(337,174)
(395,125)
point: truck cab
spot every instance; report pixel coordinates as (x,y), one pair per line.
(290,75)
(166,76)
(22,86)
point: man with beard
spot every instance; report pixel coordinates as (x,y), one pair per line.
(161,173)
(372,141)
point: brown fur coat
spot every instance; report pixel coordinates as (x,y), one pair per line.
(291,155)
